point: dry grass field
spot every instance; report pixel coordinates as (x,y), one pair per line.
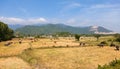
(70,58)
(13,63)
(62,53)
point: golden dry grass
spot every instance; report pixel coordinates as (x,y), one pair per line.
(13,63)
(56,58)
(15,48)
(72,58)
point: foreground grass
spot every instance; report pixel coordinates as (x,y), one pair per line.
(70,58)
(60,55)
(12,50)
(13,63)
(115,64)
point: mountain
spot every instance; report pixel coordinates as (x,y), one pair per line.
(14,27)
(54,28)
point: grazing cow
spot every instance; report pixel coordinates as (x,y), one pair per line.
(7,44)
(20,41)
(82,44)
(100,45)
(112,45)
(117,48)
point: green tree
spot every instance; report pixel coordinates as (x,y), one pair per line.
(77,37)
(5,32)
(63,34)
(118,39)
(97,36)
(116,35)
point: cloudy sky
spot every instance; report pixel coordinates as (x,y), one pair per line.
(104,13)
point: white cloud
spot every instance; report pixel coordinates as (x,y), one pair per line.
(98,6)
(13,20)
(106,15)
(38,20)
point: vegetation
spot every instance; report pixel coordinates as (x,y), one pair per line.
(97,36)
(115,64)
(5,32)
(64,34)
(118,39)
(117,36)
(62,53)
(54,28)
(69,58)
(103,42)
(77,37)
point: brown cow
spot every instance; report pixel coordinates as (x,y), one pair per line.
(7,44)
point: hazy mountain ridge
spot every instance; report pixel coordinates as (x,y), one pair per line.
(54,28)
(14,27)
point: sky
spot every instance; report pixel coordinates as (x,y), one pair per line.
(81,13)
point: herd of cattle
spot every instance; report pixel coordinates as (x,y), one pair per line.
(111,45)
(20,41)
(81,44)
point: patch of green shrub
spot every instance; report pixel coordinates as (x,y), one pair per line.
(115,64)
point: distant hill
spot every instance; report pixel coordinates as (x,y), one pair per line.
(15,26)
(54,28)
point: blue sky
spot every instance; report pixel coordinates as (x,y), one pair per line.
(104,13)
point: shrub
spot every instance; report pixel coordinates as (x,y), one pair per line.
(77,37)
(104,43)
(115,64)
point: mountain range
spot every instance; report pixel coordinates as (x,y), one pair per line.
(55,28)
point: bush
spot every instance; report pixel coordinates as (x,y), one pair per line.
(112,45)
(109,40)
(103,42)
(115,64)
(118,39)
(77,37)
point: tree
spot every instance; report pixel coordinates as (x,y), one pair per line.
(77,37)
(97,36)
(63,34)
(5,32)
(118,39)
(116,35)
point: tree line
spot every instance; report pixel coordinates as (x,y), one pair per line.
(5,32)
